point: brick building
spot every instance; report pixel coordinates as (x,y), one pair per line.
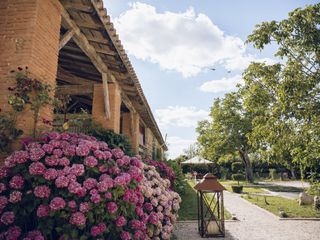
(72,45)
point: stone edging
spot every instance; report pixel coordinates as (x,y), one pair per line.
(299,219)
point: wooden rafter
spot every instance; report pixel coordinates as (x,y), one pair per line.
(65,76)
(74,90)
(81,40)
(65,38)
(106,95)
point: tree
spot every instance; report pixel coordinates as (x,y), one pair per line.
(285,98)
(227,132)
(192,150)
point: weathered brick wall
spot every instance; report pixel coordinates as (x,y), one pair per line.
(149,142)
(29,36)
(98,109)
(126,124)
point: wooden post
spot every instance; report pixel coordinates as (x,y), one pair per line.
(106,95)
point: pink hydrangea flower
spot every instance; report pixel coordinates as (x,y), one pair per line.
(90,183)
(4,172)
(51,161)
(43,211)
(16,182)
(103,186)
(48,148)
(108,154)
(36,154)
(103,146)
(3,202)
(97,230)
(42,191)
(117,152)
(100,155)
(77,169)
(108,195)
(138,234)
(84,207)
(95,198)
(78,219)
(90,161)
(112,207)
(65,136)
(72,204)
(20,156)
(57,152)
(7,218)
(34,235)
(121,221)
(51,174)
(73,187)
(153,218)
(125,235)
(9,162)
(37,168)
(54,135)
(62,182)
(57,203)
(13,233)
(81,192)
(64,161)
(2,187)
(70,150)
(15,197)
(135,224)
(82,150)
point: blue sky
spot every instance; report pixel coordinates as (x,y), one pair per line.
(173,44)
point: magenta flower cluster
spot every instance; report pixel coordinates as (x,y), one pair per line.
(164,170)
(71,185)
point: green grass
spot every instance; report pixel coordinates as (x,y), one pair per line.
(188,208)
(247,189)
(283,188)
(290,207)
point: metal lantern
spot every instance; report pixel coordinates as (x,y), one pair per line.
(210,207)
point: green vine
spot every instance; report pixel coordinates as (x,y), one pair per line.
(29,91)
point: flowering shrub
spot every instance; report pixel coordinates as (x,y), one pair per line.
(161,203)
(71,186)
(164,170)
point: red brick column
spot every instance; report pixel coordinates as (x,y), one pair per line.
(98,110)
(29,36)
(135,133)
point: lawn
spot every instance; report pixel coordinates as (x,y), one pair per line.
(188,208)
(247,189)
(290,207)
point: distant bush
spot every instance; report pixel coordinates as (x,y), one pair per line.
(237,189)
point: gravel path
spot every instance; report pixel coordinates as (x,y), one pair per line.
(255,224)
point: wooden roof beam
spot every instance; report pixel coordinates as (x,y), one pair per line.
(65,38)
(81,40)
(64,75)
(74,90)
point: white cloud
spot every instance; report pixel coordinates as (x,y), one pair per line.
(180,116)
(185,42)
(242,62)
(222,85)
(177,145)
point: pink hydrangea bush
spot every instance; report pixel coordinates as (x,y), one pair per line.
(161,204)
(71,186)
(163,169)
